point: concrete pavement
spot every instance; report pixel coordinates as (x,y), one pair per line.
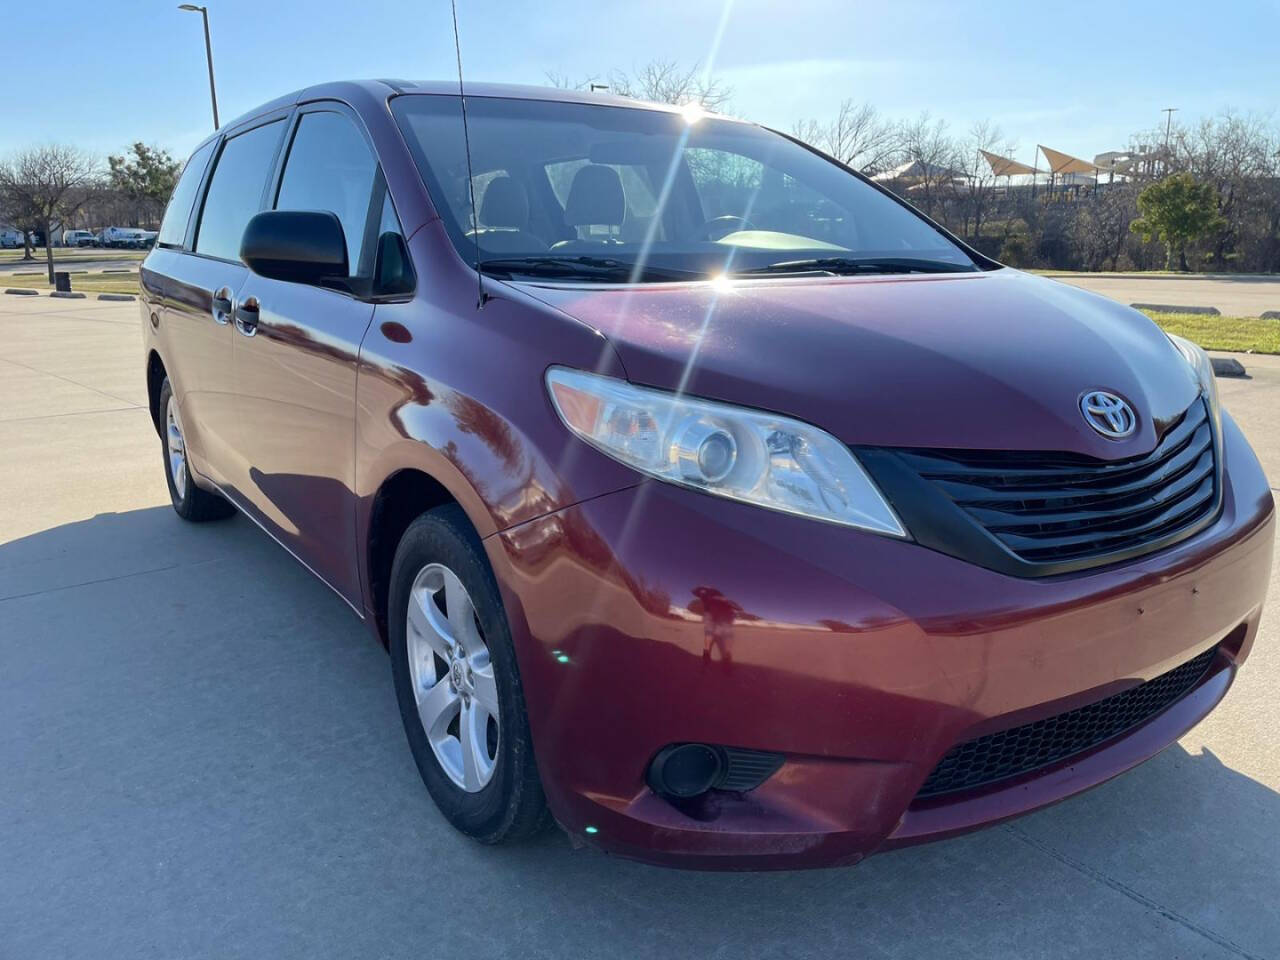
(1233,295)
(200,756)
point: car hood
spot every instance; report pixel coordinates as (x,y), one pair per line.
(994,360)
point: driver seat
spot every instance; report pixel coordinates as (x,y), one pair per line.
(595,200)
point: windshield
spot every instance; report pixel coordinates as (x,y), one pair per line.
(606,193)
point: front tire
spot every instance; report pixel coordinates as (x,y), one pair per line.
(189,501)
(457,683)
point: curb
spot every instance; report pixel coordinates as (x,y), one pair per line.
(22,293)
(61,295)
(115,271)
(1227,367)
(1172,308)
(117,296)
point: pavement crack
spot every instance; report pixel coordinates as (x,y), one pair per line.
(58,376)
(1128,891)
(121,576)
(73,413)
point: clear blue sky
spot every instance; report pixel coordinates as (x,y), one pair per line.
(1078,77)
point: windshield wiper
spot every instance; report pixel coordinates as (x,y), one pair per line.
(595,268)
(854,265)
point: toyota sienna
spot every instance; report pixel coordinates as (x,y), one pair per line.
(710,500)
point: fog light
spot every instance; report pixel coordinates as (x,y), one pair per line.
(685,769)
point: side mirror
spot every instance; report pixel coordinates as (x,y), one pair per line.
(298,246)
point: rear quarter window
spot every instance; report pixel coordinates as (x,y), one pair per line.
(173,229)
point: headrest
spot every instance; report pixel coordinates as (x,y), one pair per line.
(505,204)
(595,198)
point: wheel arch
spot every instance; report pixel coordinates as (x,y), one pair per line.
(400,499)
(156,374)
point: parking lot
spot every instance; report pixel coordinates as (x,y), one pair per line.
(201,756)
(1233,295)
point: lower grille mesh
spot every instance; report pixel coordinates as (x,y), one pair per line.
(1009,753)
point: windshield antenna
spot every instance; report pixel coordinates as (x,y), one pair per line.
(466,142)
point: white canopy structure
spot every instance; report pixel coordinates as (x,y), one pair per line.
(918,170)
(1005,167)
(1072,169)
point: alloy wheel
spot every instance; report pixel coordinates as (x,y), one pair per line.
(177,450)
(453,681)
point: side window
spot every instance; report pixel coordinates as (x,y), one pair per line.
(235,192)
(330,167)
(173,229)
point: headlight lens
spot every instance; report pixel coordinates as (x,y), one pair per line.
(1201,369)
(742,454)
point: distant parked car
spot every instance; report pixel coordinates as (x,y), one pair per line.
(77,238)
(127,237)
(119,237)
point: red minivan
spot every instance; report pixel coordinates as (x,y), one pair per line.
(710,500)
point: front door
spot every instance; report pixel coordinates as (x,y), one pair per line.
(296,352)
(202,296)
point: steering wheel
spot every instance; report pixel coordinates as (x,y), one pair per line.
(704,232)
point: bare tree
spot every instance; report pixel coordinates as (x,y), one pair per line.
(1100,228)
(19,212)
(927,145)
(977,181)
(858,137)
(48,184)
(665,81)
(562,81)
(661,81)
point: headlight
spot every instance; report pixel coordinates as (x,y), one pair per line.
(746,455)
(1201,370)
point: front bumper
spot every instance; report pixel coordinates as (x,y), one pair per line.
(657,615)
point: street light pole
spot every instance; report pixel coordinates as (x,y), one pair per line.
(208,53)
(1168,128)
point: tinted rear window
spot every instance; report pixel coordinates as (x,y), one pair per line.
(235,191)
(173,229)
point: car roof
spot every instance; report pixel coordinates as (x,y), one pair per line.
(381,89)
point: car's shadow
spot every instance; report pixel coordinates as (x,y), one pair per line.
(201,756)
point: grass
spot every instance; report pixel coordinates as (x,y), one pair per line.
(70,255)
(90,283)
(1057,272)
(1235,334)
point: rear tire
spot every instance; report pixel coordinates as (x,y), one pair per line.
(189,501)
(485,781)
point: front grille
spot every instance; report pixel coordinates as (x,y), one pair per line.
(1056,508)
(1024,749)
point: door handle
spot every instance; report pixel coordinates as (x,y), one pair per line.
(222,305)
(247,316)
